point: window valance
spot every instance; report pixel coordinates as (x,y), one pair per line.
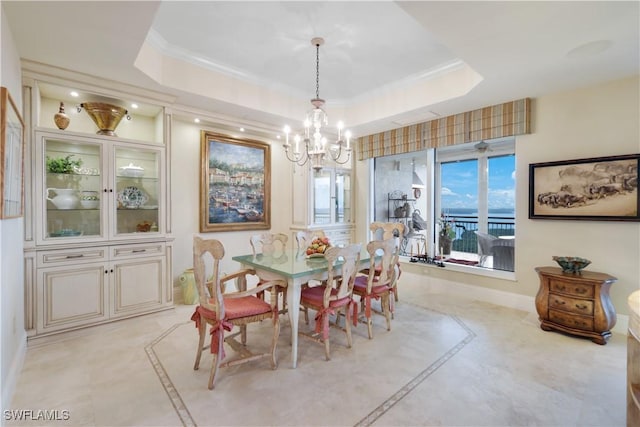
(508,119)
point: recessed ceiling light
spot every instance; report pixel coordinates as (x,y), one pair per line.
(74,94)
(197,120)
(278,136)
(241,129)
(134,105)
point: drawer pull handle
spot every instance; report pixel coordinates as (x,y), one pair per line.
(581,306)
(138,250)
(74,256)
(561,288)
(560,302)
(580,290)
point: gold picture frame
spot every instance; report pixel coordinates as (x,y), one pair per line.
(12,154)
(235,183)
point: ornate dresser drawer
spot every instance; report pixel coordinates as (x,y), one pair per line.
(580,322)
(574,305)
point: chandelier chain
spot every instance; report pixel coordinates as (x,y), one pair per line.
(317,71)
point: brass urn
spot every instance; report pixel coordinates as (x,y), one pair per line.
(105,116)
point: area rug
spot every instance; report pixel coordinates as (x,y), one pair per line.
(355,387)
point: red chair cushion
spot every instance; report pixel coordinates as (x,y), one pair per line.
(315,296)
(236,308)
(360,287)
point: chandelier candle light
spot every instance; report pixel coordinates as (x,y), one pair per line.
(315,146)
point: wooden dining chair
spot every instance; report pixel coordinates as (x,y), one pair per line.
(304,238)
(222,311)
(272,245)
(384,231)
(379,283)
(335,295)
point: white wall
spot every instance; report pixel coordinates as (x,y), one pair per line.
(185,187)
(13,336)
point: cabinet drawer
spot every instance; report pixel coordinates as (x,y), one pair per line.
(574,305)
(571,288)
(135,251)
(571,320)
(71,256)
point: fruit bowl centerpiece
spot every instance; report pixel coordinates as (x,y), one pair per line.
(317,247)
(571,264)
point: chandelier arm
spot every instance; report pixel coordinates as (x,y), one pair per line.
(298,160)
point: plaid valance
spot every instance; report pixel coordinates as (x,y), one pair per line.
(508,119)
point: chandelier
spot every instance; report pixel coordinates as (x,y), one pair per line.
(314,147)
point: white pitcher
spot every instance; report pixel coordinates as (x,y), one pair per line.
(65,198)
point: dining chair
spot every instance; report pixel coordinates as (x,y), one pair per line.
(304,238)
(384,231)
(222,310)
(272,245)
(335,295)
(380,282)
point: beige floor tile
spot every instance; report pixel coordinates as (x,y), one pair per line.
(447,361)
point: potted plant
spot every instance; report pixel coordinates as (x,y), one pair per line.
(447,234)
(65,168)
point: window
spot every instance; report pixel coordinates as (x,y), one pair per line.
(473,185)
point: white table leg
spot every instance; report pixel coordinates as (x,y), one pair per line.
(293,307)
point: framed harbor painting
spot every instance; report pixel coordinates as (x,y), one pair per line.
(235,184)
(12,154)
(601,188)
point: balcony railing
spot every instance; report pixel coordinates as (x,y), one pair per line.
(466,240)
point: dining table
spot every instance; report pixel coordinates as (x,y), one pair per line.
(296,268)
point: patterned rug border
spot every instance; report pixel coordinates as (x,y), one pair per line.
(188,421)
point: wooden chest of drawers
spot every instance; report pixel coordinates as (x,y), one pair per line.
(577,304)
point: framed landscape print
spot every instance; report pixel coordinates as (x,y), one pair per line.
(235,184)
(602,188)
(12,154)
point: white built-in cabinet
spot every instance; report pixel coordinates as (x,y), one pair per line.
(97,241)
(323,200)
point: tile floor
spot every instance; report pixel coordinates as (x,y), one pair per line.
(448,361)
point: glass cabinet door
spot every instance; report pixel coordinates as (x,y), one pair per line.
(331,196)
(72,192)
(137,188)
(343,197)
(322,208)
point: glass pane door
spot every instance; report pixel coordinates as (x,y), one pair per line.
(137,187)
(72,190)
(322,197)
(343,197)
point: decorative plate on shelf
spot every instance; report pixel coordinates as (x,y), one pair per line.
(132,198)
